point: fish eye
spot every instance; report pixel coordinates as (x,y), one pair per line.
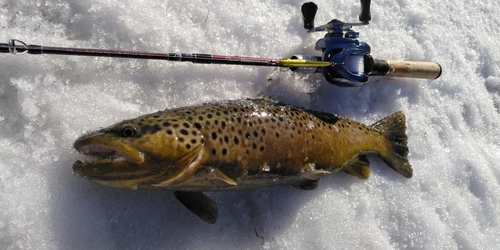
(128,131)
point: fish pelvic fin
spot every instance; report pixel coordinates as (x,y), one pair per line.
(394,129)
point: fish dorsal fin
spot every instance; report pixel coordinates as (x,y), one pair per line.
(358,166)
(310,179)
(218,178)
(199,204)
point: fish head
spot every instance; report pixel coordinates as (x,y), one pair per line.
(138,152)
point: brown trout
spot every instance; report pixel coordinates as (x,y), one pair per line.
(236,144)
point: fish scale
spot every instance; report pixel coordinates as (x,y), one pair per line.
(237,144)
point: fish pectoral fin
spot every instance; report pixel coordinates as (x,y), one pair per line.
(307,184)
(358,166)
(218,178)
(199,204)
(310,179)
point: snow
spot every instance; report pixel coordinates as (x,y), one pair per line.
(47,101)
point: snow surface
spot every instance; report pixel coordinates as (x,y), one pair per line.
(46,102)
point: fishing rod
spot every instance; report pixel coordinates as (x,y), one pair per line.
(345,60)
(15,46)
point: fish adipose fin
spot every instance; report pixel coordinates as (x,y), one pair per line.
(394,129)
(199,204)
(358,166)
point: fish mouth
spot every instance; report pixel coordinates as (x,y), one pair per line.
(108,158)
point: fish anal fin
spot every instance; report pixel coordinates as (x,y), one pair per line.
(199,204)
(218,178)
(358,166)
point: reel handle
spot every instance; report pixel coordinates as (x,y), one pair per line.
(412,69)
(309,13)
(365,15)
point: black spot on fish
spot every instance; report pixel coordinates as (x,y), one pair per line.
(200,118)
(188,146)
(194,133)
(197,125)
(166,124)
(259,120)
(224,151)
(193,141)
(254,146)
(207,123)
(255,134)
(247,136)
(181,139)
(223,125)
(226,139)
(263,132)
(217,113)
(216,122)
(280,118)
(176,125)
(202,140)
(184,132)
(277,135)
(214,135)
(236,140)
(225,112)
(262,148)
(273,119)
(214,152)
(186,125)
(238,119)
(169,132)
(209,116)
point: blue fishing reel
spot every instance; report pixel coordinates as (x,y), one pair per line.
(349,57)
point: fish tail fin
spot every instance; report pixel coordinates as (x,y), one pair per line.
(396,156)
